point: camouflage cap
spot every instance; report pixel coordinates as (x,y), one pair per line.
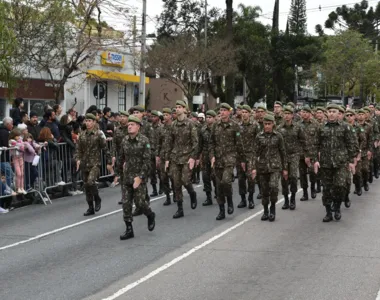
(278,103)
(350,111)
(333,106)
(90,117)
(124,113)
(225,105)
(269,117)
(378,106)
(194,114)
(342,109)
(174,110)
(306,108)
(366,108)
(181,103)
(262,107)
(247,107)
(239,106)
(155,113)
(166,110)
(138,108)
(211,113)
(321,108)
(291,104)
(288,109)
(134,119)
(361,111)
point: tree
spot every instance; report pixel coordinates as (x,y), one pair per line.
(297,19)
(230,84)
(188,64)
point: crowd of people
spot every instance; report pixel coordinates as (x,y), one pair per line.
(328,147)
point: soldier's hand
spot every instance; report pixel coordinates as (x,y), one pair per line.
(243,166)
(352,168)
(136,182)
(308,162)
(166,165)
(285,174)
(316,167)
(110,169)
(78,165)
(191,163)
(212,162)
(113,161)
(158,161)
(253,174)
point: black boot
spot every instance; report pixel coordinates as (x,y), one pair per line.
(154,193)
(98,203)
(168,201)
(337,214)
(305,196)
(251,203)
(272,214)
(137,212)
(286,202)
(265,217)
(222,213)
(318,186)
(128,234)
(193,200)
(313,192)
(90,211)
(230,205)
(328,216)
(358,189)
(366,186)
(347,202)
(151,221)
(243,202)
(292,205)
(208,200)
(179,213)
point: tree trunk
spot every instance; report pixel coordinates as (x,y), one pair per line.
(230,79)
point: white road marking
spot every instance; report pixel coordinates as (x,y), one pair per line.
(40,236)
(184,255)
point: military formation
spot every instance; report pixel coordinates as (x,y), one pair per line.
(330,147)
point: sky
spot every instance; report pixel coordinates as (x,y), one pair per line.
(314,14)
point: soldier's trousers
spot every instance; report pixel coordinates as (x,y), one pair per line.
(164,178)
(89,177)
(138,196)
(334,184)
(269,187)
(207,176)
(357,178)
(304,169)
(293,163)
(365,169)
(223,178)
(348,181)
(153,171)
(123,190)
(245,177)
(181,175)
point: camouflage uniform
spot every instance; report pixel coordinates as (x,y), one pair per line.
(90,145)
(368,130)
(135,153)
(153,171)
(295,146)
(120,133)
(278,119)
(195,174)
(226,145)
(162,135)
(359,132)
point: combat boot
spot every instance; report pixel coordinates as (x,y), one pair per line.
(154,193)
(305,196)
(366,186)
(90,211)
(128,234)
(179,213)
(230,205)
(337,214)
(243,202)
(313,193)
(168,201)
(286,202)
(222,213)
(251,203)
(358,189)
(318,186)
(193,200)
(347,202)
(292,205)
(272,214)
(98,203)
(265,217)
(208,200)
(328,216)
(151,221)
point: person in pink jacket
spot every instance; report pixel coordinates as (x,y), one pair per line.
(17,152)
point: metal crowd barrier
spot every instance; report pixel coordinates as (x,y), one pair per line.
(56,167)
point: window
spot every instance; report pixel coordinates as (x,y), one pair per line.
(100,92)
(122,97)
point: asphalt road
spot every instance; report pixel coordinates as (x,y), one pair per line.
(196,257)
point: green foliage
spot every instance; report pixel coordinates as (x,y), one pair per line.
(297,18)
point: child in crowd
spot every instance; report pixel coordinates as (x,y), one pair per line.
(5,191)
(17,153)
(30,152)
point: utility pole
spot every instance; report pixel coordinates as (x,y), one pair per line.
(205,74)
(142,65)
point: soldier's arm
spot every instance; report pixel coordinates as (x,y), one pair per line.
(78,154)
(168,144)
(212,142)
(253,158)
(239,146)
(114,142)
(281,148)
(352,145)
(200,144)
(194,141)
(145,168)
(103,146)
(371,139)
(304,145)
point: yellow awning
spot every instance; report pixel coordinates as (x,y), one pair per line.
(114,76)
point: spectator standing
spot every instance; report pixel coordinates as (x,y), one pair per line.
(16,111)
(30,151)
(24,117)
(72,114)
(5,159)
(105,119)
(58,111)
(24,130)
(16,142)
(32,125)
(52,124)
